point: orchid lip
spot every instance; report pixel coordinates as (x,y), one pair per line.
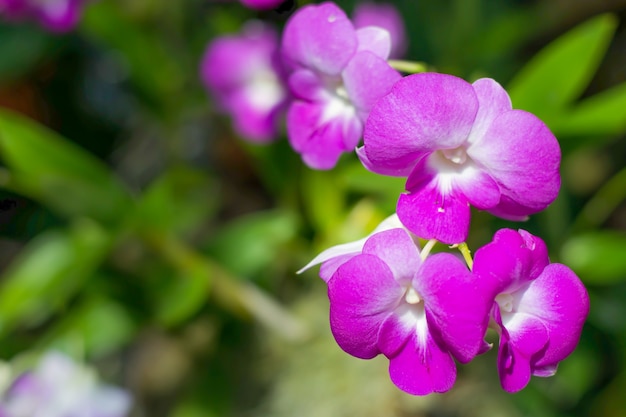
(505,302)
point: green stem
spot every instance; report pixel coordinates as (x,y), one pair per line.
(427,248)
(410,67)
(467,254)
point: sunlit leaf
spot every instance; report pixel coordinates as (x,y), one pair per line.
(561,71)
(597,257)
(48,272)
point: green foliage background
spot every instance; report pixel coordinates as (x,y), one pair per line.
(143,236)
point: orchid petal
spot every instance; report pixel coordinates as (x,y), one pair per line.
(523,156)
(422,113)
(431,214)
(367,78)
(422,367)
(560,300)
(456,306)
(320,37)
(374,39)
(396,248)
(362,293)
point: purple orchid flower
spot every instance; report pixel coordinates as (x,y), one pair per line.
(54,15)
(262,4)
(460,144)
(386,16)
(339,73)
(246,76)
(539,309)
(421,314)
(58,387)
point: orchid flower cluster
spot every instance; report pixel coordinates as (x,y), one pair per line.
(458,144)
(59,387)
(54,15)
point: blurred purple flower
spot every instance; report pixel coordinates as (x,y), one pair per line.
(460,144)
(386,16)
(55,15)
(245,74)
(339,74)
(539,308)
(418,313)
(58,387)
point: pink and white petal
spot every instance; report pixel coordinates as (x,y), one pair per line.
(522,337)
(422,367)
(325,146)
(559,299)
(375,40)
(523,156)
(362,293)
(422,113)
(251,122)
(545,371)
(307,85)
(396,248)
(387,17)
(367,78)
(493,100)
(430,214)
(345,251)
(510,210)
(302,121)
(400,169)
(478,187)
(400,327)
(457,308)
(320,37)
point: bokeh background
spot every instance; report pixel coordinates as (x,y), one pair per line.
(139,234)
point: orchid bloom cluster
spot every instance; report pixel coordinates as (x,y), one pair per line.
(423,311)
(54,15)
(59,387)
(323,77)
(458,144)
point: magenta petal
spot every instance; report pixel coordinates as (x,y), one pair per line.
(367,78)
(385,16)
(561,301)
(306,85)
(422,367)
(302,122)
(262,4)
(362,293)
(523,156)
(493,101)
(320,37)
(456,306)
(375,40)
(396,248)
(525,336)
(430,214)
(422,113)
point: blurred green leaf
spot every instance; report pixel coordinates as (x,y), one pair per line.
(22,48)
(179,201)
(560,72)
(96,327)
(251,243)
(152,67)
(601,114)
(49,271)
(324,200)
(597,257)
(48,168)
(181,296)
